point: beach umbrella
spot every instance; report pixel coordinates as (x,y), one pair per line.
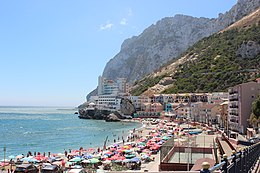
(142,143)
(157,138)
(68,164)
(108,152)
(58,158)
(142,139)
(117,161)
(129,156)
(121,158)
(75,159)
(86,161)
(160,143)
(126,160)
(107,162)
(127,151)
(25,159)
(120,150)
(88,156)
(165,138)
(91,149)
(126,147)
(57,163)
(61,154)
(94,160)
(96,156)
(144,156)
(135,159)
(154,148)
(146,151)
(33,160)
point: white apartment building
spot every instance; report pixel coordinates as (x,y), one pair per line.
(110,87)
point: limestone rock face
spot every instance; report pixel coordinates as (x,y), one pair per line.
(126,107)
(167,39)
(248,49)
(157,45)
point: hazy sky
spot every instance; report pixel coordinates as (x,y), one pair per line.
(52,51)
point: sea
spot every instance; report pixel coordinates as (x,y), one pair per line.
(51,129)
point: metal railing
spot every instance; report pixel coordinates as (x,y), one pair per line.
(242,161)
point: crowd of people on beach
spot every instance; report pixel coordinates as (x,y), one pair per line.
(139,148)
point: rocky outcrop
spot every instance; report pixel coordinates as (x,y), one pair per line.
(126,107)
(167,39)
(112,118)
(99,114)
(88,112)
(248,49)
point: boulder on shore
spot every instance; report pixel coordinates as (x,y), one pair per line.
(112,118)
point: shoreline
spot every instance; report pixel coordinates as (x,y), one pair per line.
(85,145)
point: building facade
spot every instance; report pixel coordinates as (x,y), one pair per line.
(110,87)
(239,108)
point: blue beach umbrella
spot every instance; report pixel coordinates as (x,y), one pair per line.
(33,160)
(88,156)
(126,160)
(135,159)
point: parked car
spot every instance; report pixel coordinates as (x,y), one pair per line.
(28,168)
(51,169)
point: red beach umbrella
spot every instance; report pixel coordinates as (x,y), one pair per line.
(108,152)
(146,151)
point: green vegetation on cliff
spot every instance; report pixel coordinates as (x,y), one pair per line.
(222,60)
(214,64)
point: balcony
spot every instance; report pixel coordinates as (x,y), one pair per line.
(233,106)
(233,113)
(232,92)
(233,99)
(233,120)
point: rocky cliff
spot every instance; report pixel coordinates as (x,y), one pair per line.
(215,63)
(167,39)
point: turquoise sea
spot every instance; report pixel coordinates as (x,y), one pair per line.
(44,129)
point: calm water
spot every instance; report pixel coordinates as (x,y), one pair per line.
(38,129)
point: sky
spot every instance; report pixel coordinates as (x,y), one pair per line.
(52,51)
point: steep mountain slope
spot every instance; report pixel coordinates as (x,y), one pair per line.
(167,39)
(215,63)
